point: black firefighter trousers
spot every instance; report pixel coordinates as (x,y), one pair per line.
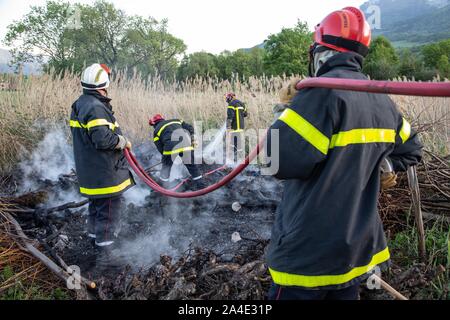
(277,292)
(103,220)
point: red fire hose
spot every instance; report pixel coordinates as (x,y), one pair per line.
(152,184)
(427,89)
(424,89)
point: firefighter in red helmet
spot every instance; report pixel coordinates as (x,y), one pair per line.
(236,114)
(328,237)
(175,138)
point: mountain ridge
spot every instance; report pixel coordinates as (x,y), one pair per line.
(427,20)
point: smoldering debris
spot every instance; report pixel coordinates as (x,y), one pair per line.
(198,274)
(151,226)
(184,248)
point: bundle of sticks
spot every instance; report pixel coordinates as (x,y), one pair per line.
(434,182)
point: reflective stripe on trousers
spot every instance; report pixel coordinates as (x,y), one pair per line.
(306,281)
(106,190)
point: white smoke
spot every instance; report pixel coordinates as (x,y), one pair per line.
(52,157)
(171,233)
(137,195)
(146,250)
(213,152)
(166,225)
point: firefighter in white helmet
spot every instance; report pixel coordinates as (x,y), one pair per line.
(101,167)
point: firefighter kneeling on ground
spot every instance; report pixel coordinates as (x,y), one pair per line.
(175,138)
(101,167)
(236,113)
(328,235)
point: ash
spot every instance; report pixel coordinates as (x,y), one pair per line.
(153,229)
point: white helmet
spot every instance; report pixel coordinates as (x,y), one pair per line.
(95,77)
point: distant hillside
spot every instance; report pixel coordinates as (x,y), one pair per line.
(5,58)
(260,46)
(413,22)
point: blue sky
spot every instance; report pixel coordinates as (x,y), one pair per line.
(209,25)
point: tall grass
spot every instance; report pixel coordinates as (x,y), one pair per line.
(42,102)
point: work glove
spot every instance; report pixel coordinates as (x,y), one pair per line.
(388,180)
(123,143)
(388,176)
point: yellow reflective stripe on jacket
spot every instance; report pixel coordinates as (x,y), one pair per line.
(165,126)
(75,124)
(305,129)
(94,123)
(361,136)
(236,108)
(156,139)
(176,151)
(108,190)
(405,132)
(286,279)
(101,122)
(238,118)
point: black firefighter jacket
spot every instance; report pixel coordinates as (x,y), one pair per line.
(101,169)
(173,137)
(236,113)
(327,232)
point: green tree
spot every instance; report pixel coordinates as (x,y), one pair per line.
(245,63)
(43,34)
(382,61)
(225,65)
(432,54)
(163,60)
(287,51)
(103,34)
(257,61)
(140,42)
(200,64)
(410,65)
(444,66)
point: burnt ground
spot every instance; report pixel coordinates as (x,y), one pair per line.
(184,248)
(154,227)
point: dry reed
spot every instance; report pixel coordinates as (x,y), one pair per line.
(43,102)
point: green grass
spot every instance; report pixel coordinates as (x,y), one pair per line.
(26,291)
(404,247)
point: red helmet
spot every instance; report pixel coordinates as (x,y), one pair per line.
(230,96)
(155,119)
(345,30)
